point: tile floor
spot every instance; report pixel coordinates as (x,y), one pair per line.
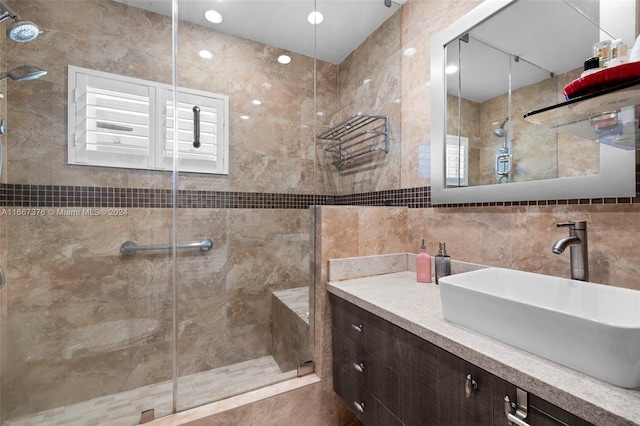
(125,408)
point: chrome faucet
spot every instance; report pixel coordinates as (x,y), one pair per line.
(577,241)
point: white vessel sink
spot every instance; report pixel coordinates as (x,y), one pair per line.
(592,328)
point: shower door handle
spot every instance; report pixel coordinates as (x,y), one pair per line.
(196,127)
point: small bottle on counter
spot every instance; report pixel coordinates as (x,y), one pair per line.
(443,263)
(423,265)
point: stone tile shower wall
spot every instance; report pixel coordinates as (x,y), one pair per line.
(85,321)
(368,81)
(271,152)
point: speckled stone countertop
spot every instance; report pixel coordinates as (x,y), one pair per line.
(417,308)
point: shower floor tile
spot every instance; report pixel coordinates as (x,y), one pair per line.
(124,408)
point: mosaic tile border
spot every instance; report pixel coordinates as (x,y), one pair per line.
(580,201)
(24,195)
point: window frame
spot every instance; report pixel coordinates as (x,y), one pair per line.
(160,95)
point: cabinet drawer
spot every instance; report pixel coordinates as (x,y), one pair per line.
(366,407)
(350,320)
(379,337)
(366,369)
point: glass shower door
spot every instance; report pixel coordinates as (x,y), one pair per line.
(86,330)
(243,307)
(87,325)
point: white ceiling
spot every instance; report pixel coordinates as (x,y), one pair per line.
(283,23)
(550,36)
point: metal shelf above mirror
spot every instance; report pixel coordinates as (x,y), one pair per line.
(359,135)
(608,116)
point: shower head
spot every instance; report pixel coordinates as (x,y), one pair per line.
(23,72)
(500,132)
(22,31)
(19,30)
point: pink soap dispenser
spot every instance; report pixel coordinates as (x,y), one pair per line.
(423,265)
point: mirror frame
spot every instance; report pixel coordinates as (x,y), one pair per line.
(617,166)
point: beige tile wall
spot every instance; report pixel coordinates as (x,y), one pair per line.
(522,237)
(273,151)
(421,19)
(93,322)
(368,81)
(350,232)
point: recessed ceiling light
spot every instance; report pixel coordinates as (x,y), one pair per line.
(315,18)
(366,81)
(320,114)
(450,69)
(410,51)
(205,54)
(213,16)
(244,117)
(256,102)
(284,59)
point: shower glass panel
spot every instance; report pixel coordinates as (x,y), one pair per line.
(86,332)
(243,308)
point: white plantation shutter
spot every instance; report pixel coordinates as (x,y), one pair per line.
(116,121)
(112,125)
(456,166)
(211,152)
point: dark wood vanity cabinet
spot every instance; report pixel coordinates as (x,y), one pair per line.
(389,376)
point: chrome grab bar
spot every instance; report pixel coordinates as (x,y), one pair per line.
(130,247)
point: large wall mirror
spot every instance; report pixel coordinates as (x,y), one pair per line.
(501,61)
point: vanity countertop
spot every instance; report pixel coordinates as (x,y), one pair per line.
(416,307)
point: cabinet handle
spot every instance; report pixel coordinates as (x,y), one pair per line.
(357,327)
(469,386)
(359,366)
(359,406)
(519,409)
